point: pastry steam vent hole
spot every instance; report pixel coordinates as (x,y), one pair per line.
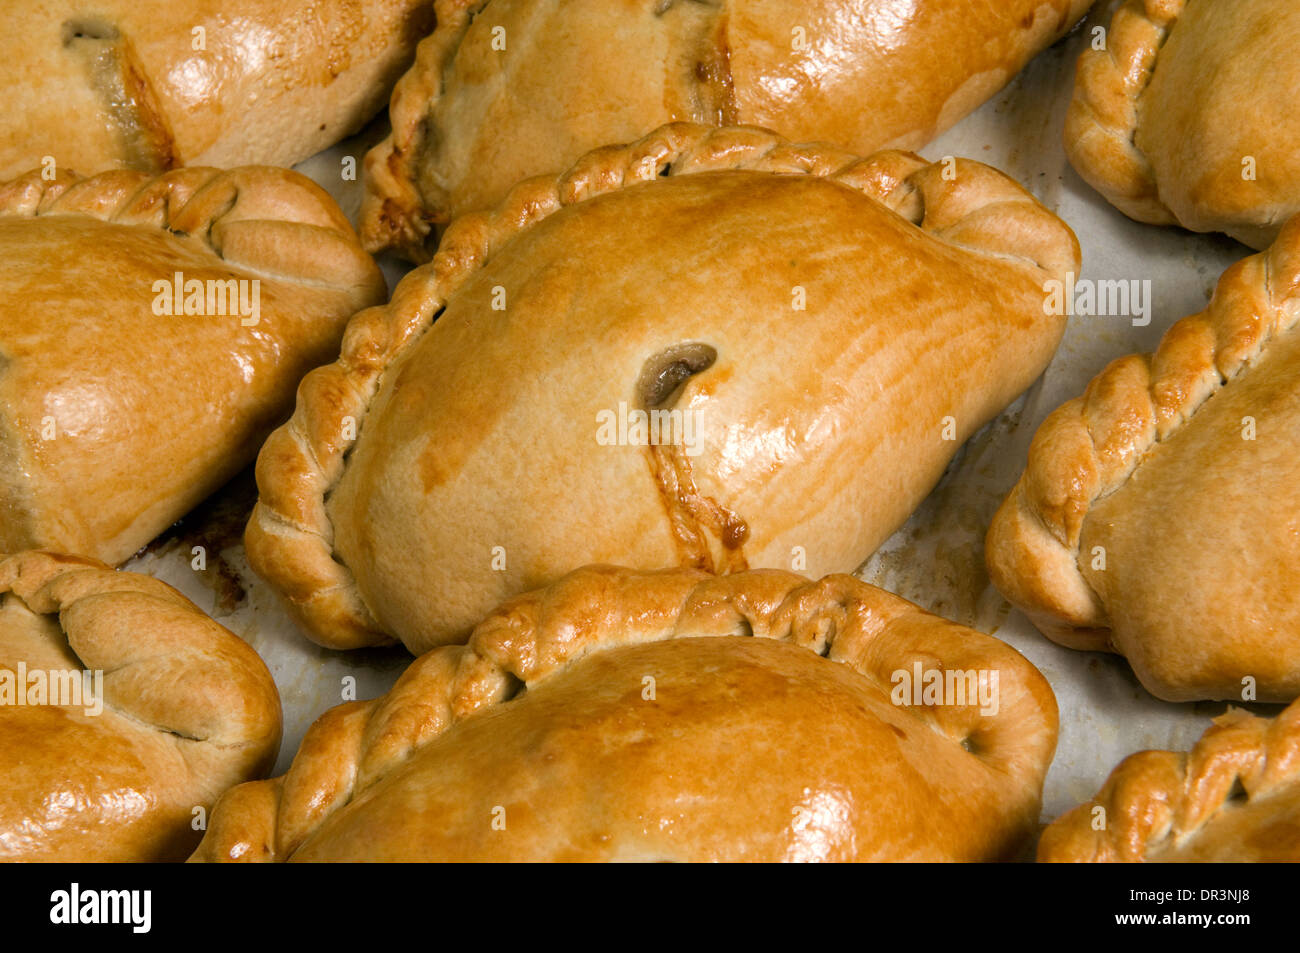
(665,374)
(88,28)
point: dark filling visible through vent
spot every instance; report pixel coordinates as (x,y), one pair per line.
(665,373)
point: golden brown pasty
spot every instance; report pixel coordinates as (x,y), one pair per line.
(152,331)
(153,84)
(708,348)
(1158,515)
(678,716)
(124,713)
(1234,797)
(507,89)
(1187,116)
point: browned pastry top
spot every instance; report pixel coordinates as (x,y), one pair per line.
(618,715)
(508,89)
(1187,115)
(1234,797)
(1179,468)
(835,325)
(151,85)
(186,711)
(118,416)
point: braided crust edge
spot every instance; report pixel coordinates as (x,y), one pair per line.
(1156,799)
(352,747)
(393,213)
(1102,119)
(289,539)
(271,221)
(1088,447)
(166,664)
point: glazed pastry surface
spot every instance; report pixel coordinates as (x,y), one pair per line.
(1235,797)
(675,716)
(185,710)
(830,328)
(1157,515)
(1186,116)
(151,85)
(508,89)
(118,416)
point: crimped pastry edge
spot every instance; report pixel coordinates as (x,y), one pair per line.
(395,215)
(59,585)
(289,539)
(243,216)
(1102,120)
(259,220)
(1088,447)
(353,746)
(1156,799)
(166,667)
(392,209)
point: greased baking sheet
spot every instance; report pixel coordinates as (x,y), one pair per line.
(936,559)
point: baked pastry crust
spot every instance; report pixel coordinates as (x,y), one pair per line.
(471,119)
(114,420)
(1234,797)
(418,451)
(188,711)
(768,734)
(121,85)
(1164,119)
(1181,467)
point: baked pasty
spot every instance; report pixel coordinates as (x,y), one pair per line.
(1157,516)
(153,84)
(709,348)
(124,713)
(1234,797)
(121,408)
(1187,116)
(507,89)
(679,716)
